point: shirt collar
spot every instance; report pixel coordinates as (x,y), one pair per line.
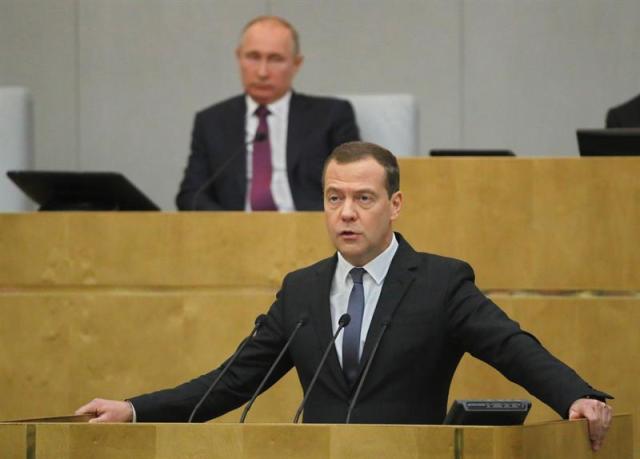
(376,268)
(279,107)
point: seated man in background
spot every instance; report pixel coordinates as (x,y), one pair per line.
(626,115)
(264,150)
(433,308)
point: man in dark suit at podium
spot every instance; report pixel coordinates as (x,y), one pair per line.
(626,115)
(434,310)
(264,150)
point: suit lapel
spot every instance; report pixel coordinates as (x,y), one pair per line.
(236,133)
(398,279)
(321,319)
(299,122)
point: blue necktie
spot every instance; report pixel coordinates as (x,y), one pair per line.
(351,338)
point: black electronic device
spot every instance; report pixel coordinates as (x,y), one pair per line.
(609,142)
(488,412)
(91,191)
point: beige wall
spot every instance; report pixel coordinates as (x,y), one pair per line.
(116,82)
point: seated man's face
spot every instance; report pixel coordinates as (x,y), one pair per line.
(267,61)
(358,211)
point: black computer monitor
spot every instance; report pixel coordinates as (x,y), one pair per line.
(95,191)
(609,142)
(488,412)
(469,152)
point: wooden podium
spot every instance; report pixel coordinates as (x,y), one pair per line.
(172,441)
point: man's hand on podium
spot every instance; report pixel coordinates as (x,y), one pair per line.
(108,410)
(599,416)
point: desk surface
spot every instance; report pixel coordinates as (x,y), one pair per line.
(264,441)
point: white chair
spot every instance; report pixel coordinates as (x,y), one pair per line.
(389,120)
(15,145)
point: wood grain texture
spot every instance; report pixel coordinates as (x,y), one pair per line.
(541,224)
(266,441)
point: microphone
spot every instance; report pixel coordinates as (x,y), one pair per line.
(259,137)
(259,321)
(343,322)
(301,322)
(385,324)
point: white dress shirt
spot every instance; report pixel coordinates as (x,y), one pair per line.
(372,282)
(278,121)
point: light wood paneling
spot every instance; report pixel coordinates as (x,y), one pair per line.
(170,441)
(77,345)
(13,441)
(158,250)
(544,224)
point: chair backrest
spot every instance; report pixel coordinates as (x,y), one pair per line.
(15,144)
(390,120)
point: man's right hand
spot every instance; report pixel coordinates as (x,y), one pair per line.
(107,410)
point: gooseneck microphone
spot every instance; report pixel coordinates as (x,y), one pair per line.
(301,322)
(259,321)
(259,137)
(385,324)
(342,322)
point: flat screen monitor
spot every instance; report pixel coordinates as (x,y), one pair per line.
(609,142)
(488,412)
(91,191)
(470,152)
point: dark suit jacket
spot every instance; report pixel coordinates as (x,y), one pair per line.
(626,115)
(316,126)
(437,313)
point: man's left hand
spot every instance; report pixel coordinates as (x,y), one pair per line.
(599,416)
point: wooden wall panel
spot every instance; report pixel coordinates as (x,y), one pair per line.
(71,346)
(311,441)
(157,249)
(13,441)
(544,224)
